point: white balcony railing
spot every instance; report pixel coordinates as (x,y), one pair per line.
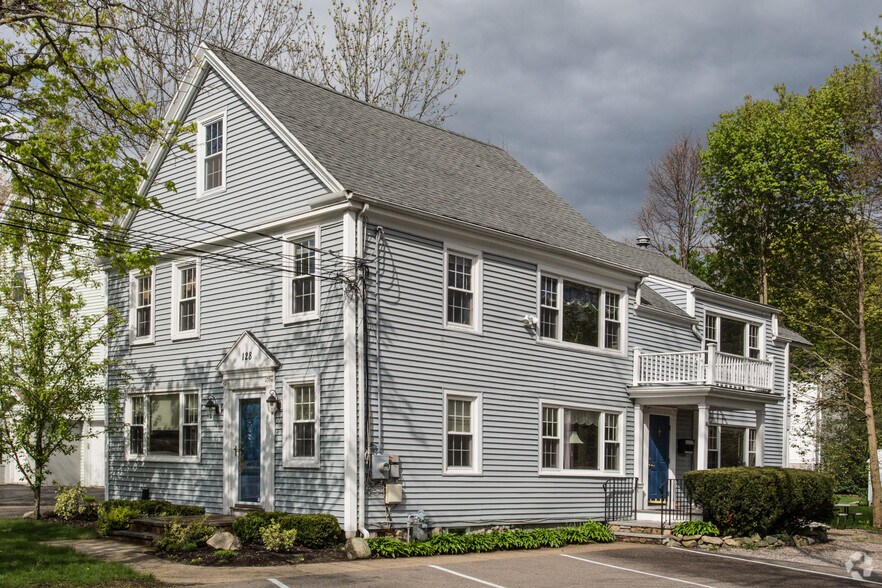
(708,367)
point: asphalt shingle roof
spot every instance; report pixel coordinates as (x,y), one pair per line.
(652,299)
(400,161)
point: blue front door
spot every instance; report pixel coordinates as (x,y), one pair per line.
(659,456)
(249,450)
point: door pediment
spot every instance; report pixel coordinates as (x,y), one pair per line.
(248,354)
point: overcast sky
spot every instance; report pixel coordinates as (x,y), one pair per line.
(586,93)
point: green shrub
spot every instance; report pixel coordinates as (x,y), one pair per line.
(116,518)
(316,531)
(178,538)
(696,528)
(764,500)
(276,539)
(451,543)
(115,515)
(225,554)
(73,503)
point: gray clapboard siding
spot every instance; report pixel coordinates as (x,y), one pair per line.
(677,295)
(265,182)
(505,364)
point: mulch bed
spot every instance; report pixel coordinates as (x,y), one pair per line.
(251,555)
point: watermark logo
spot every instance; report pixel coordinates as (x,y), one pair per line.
(859,565)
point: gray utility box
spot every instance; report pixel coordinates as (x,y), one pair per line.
(385,467)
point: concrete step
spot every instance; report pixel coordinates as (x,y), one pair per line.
(136,537)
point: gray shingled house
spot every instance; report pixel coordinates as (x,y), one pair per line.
(361,314)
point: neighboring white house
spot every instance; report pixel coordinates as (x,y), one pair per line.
(805,420)
(87,463)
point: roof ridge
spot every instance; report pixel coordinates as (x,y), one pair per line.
(218,48)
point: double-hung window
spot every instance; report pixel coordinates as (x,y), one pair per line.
(579,439)
(185,299)
(211,154)
(164,425)
(18,286)
(462,433)
(141,306)
(301,277)
(462,280)
(301,438)
(573,312)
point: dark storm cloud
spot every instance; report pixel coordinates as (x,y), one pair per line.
(586,94)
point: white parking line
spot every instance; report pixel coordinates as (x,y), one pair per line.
(766,563)
(591,561)
(277,583)
(479,581)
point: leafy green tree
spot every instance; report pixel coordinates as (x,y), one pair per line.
(793,202)
(62,128)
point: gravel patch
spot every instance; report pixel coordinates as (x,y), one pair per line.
(842,545)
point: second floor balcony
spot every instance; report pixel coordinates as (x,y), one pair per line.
(702,368)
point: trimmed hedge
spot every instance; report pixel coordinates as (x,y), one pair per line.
(316,531)
(765,500)
(452,543)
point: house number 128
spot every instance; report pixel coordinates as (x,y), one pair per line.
(246,355)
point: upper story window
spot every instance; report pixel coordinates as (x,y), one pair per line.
(185,298)
(733,336)
(164,425)
(573,312)
(141,307)
(462,296)
(18,287)
(301,285)
(462,433)
(580,439)
(211,154)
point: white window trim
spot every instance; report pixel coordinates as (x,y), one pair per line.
(288,459)
(598,473)
(745,352)
(745,444)
(177,266)
(477,288)
(604,288)
(146,457)
(477,400)
(200,154)
(133,309)
(288,316)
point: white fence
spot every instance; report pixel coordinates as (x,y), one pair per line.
(708,367)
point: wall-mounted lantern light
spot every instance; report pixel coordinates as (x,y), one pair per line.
(212,404)
(274,404)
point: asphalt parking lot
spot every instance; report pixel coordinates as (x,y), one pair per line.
(609,565)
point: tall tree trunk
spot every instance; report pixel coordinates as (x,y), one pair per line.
(869,413)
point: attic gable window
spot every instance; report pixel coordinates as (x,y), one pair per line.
(583,314)
(212,154)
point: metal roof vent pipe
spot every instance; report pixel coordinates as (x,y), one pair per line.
(643,242)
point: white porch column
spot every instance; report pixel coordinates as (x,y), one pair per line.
(701,441)
(760,434)
(639,469)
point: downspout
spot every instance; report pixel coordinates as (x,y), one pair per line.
(378,235)
(362,390)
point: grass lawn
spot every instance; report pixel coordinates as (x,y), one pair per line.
(864,513)
(25,562)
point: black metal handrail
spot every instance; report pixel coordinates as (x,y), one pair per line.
(677,505)
(620,499)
